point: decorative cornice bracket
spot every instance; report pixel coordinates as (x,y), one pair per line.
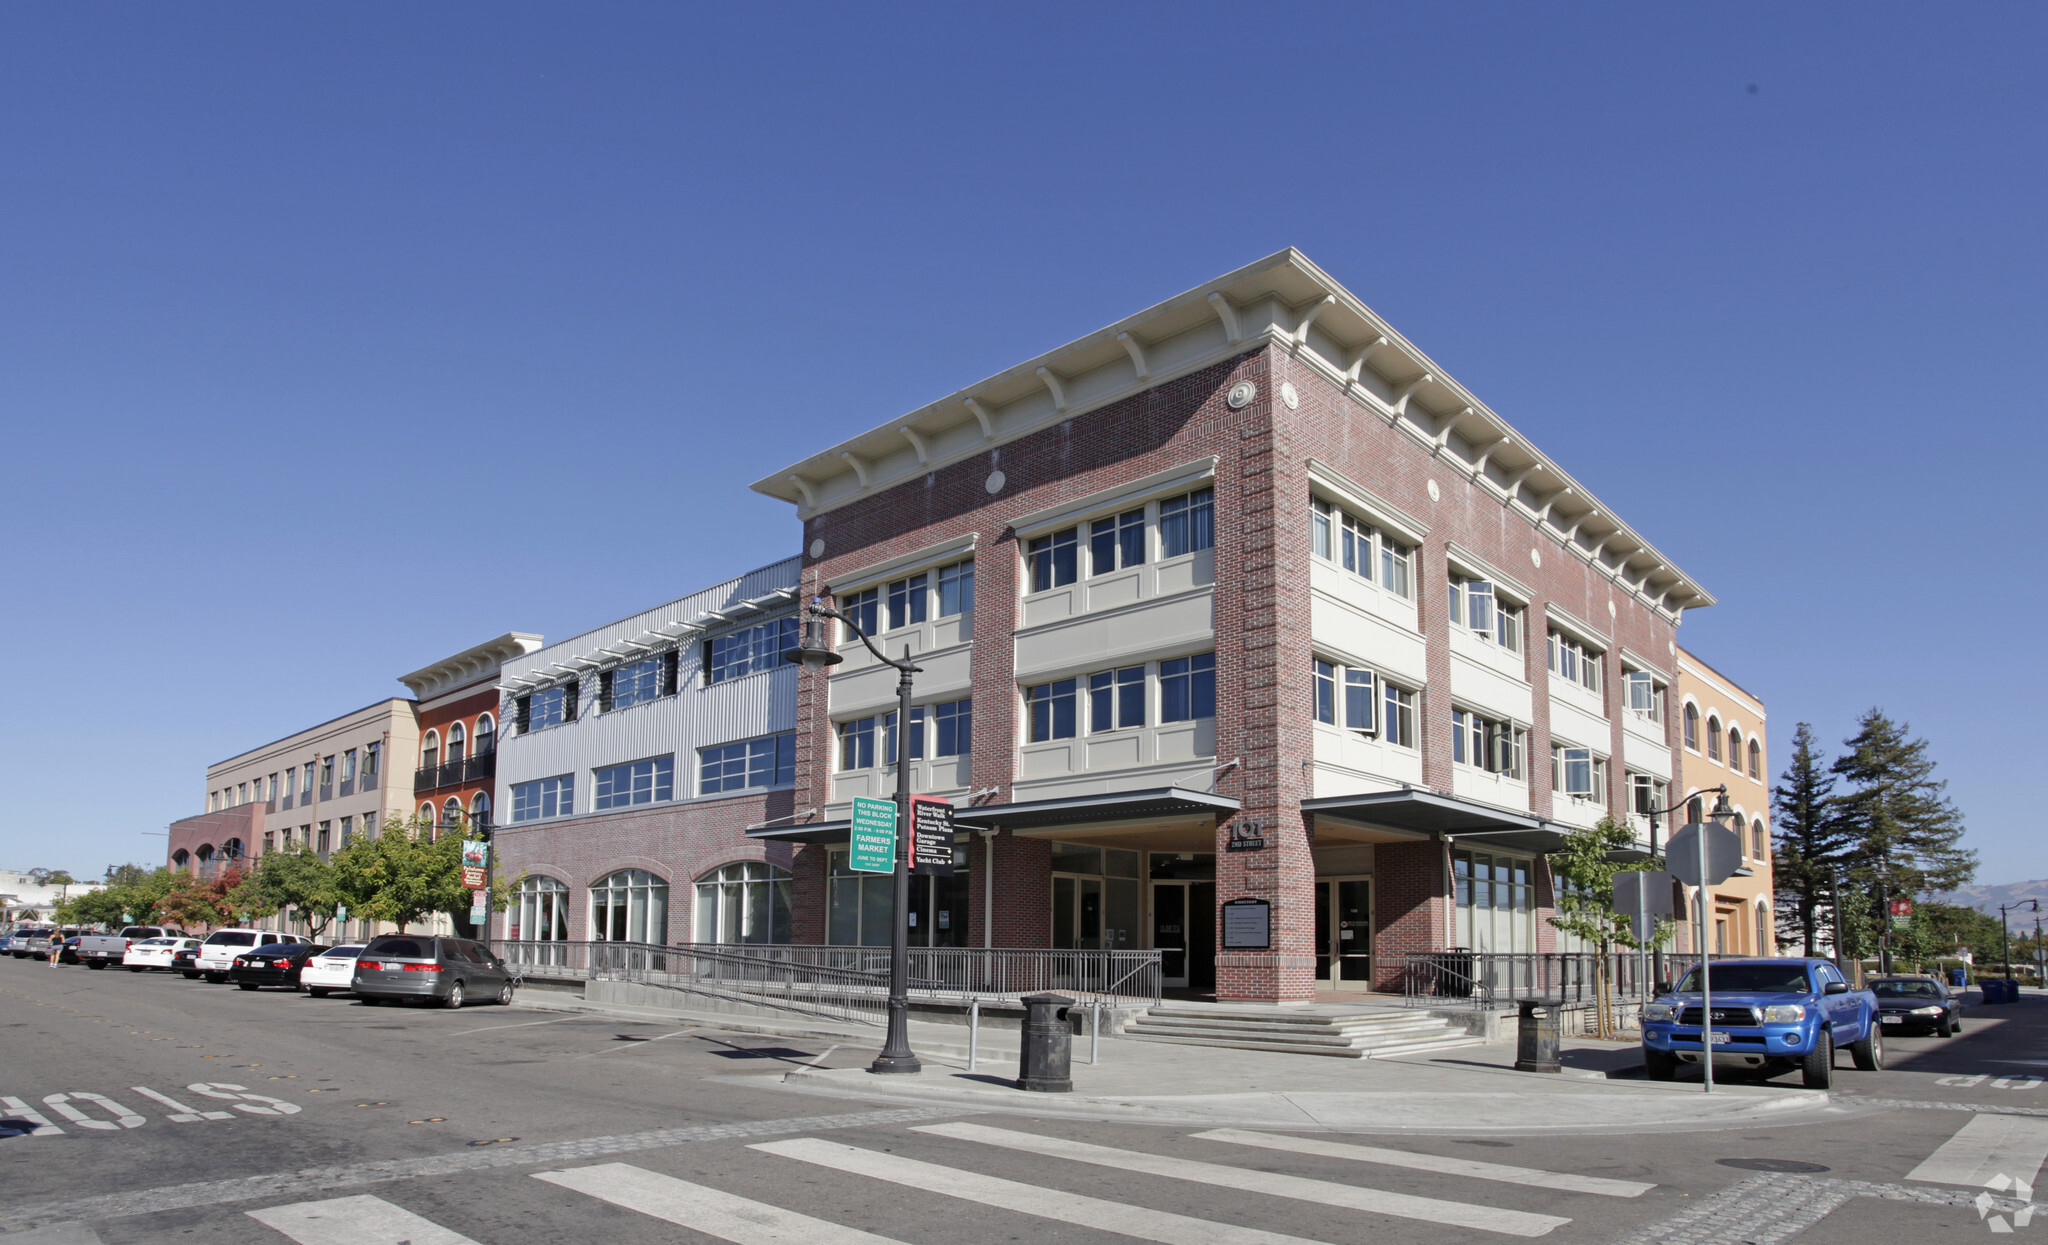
(1136,349)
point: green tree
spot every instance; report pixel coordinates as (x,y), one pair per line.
(1905,833)
(1584,872)
(189,902)
(408,872)
(295,878)
(1810,844)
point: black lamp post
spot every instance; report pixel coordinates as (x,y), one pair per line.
(815,652)
(2005,933)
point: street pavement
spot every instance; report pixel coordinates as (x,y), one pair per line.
(148,1108)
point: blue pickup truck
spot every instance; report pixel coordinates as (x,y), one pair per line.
(1769,1016)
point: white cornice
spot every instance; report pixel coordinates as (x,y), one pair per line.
(471,665)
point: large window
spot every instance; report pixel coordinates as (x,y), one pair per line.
(1052,710)
(1363,701)
(486,742)
(1187,688)
(1116,699)
(1647,795)
(546,797)
(766,762)
(1116,542)
(1187,524)
(541,710)
(1574,662)
(1495,901)
(745,902)
(636,782)
(1487,743)
(862,610)
(748,650)
(629,906)
(1645,695)
(539,912)
(857,744)
(1054,559)
(909,601)
(956,588)
(348,762)
(647,679)
(859,906)
(1735,750)
(1576,771)
(1337,535)
(865,742)
(1475,605)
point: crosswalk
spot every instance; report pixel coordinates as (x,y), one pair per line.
(369,1220)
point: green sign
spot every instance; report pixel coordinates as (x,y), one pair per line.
(1902,922)
(873,838)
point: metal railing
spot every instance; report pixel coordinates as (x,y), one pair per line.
(455,773)
(1483,979)
(845,982)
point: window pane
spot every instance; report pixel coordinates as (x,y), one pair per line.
(1319,529)
(1358,699)
(1187,523)
(956,589)
(1326,692)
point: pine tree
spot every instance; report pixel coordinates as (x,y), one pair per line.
(1906,832)
(1811,843)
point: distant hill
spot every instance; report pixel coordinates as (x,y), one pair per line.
(1986,899)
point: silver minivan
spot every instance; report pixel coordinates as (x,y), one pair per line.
(450,971)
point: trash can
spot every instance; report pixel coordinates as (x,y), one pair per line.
(1536,1037)
(1044,1059)
(1958,978)
(2012,989)
(1993,988)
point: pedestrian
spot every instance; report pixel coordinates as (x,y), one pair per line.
(56,947)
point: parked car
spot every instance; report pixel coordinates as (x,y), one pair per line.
(419,966)
(27,940)
(275,965)
(1769,1015)
(1917,1003)
(186,960)
(331,970)
(217,953)
(100,950)
(156,952)
(68,954)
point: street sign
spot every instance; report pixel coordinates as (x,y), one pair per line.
(1723,855)
(478,910)
(871,842)
(1643,897)
(341,912)
(931,836)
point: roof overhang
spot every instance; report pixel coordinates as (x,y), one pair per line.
(1428,814)
(470,665)
(825,832)
(1155,804)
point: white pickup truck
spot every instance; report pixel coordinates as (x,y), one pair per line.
(100,950)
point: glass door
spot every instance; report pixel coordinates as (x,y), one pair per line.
(1170,932)
(1344,930)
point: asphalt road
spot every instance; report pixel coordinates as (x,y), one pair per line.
(330,1123)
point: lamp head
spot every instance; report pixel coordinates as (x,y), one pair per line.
(1722,812)
(813,650)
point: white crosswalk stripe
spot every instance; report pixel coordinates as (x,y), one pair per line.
(1987,1147)
(714,1213)
(1274,1184)
(1141,1222)
(1569,1182)
(359,1220)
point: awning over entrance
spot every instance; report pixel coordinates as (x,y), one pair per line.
(1155,804)
(1426,813)
(808,832)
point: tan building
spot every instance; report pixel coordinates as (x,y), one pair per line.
(1721,733)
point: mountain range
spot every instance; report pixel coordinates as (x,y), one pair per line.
(1986,899)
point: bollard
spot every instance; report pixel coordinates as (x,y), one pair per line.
(1045,1055)
(1536,1037)
(1095,1035)
(973,1031)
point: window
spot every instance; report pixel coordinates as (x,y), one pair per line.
(348,758)
(1053,559)
(1187,524)
(952,729)
(629,906)
(1475,605)
(1714,739)
(1692,727)
(479,811)
(1759,843)
(326,832)
(953,726)
(1346,696)
(1116,699)
(291,779)
(766,762)
(1495,901)
(1577,772)
(1486,744)
(862,610)
(348,830)
(1116,543)
(752,649)
(1187,688)
(1398,718)
(539,912)
(1052,710)
(273,782)
(1647,795)
(430,750)
(1645,695)
(744,903)
(552,707)
(1326,692)
(1337,535)
(269,841)
(636,782)
(635,684)
(857,744)
(908,601)
(1756,760)
(546,797)
(956,589)
(1574,662)
(326,771)
(242,793)
(486,742)
(860,907)
(1735,751)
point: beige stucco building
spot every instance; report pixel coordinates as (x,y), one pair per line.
(1722,740)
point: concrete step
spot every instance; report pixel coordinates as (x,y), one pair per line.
(1454,1041)
(1345,1034)
(1379,1022)
(1245,1043)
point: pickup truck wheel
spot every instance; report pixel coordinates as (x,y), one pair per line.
(1660,1065)
(1817,1069)
(1869,1053)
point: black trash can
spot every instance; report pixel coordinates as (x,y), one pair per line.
(1045,1058)
(1536,1037)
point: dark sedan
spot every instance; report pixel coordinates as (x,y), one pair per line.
(1917,1005)
(186,961)
(276,965)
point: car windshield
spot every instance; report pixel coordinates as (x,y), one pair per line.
(1906,989)
(1750,979)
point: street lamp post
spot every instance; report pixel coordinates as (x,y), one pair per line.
(813,651)
(2005,932)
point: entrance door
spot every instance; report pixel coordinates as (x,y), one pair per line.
(1170,932)
(1344,930)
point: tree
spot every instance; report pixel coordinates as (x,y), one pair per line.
(188,902)
(1811,844)
(405,874)
(296,878)
(1905,833)
(1584,873)
(134,894)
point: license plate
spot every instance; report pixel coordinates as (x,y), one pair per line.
(1893,1020)
(1719,1038)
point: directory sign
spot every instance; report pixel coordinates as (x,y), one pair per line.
(931,836)
(871,843)
(1247,925)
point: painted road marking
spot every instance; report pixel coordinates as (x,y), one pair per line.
(709,1211)
(1986,1149)
(180,1113)
(526,1024)
(123,1117)
(39,1124)
(359,1220)
(1567,1181)
(1299,1188)
(1141,1222)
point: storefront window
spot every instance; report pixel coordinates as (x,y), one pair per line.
(1094,898)
(629,906)
(861,904)
(744,902)
(1496,901)
(539,912)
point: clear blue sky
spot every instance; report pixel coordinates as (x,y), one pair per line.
(460,319)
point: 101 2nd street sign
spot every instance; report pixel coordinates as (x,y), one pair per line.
(871,842)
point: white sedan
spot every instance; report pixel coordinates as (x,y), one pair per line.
(154,952)
(332,969)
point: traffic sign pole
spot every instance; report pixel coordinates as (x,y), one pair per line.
(1706,978)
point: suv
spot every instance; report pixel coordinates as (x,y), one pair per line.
(217,954)
(421,966)
(1770,1016)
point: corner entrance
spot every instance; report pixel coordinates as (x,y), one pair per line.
(1344,930)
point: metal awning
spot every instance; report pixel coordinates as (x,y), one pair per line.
(1466,822)
(807,832)
(1155,804)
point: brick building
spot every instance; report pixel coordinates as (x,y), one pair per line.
(457,700)
(1241,599)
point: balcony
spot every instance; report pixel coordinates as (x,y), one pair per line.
(454,773)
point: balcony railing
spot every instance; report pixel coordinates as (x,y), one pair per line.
(455,773)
